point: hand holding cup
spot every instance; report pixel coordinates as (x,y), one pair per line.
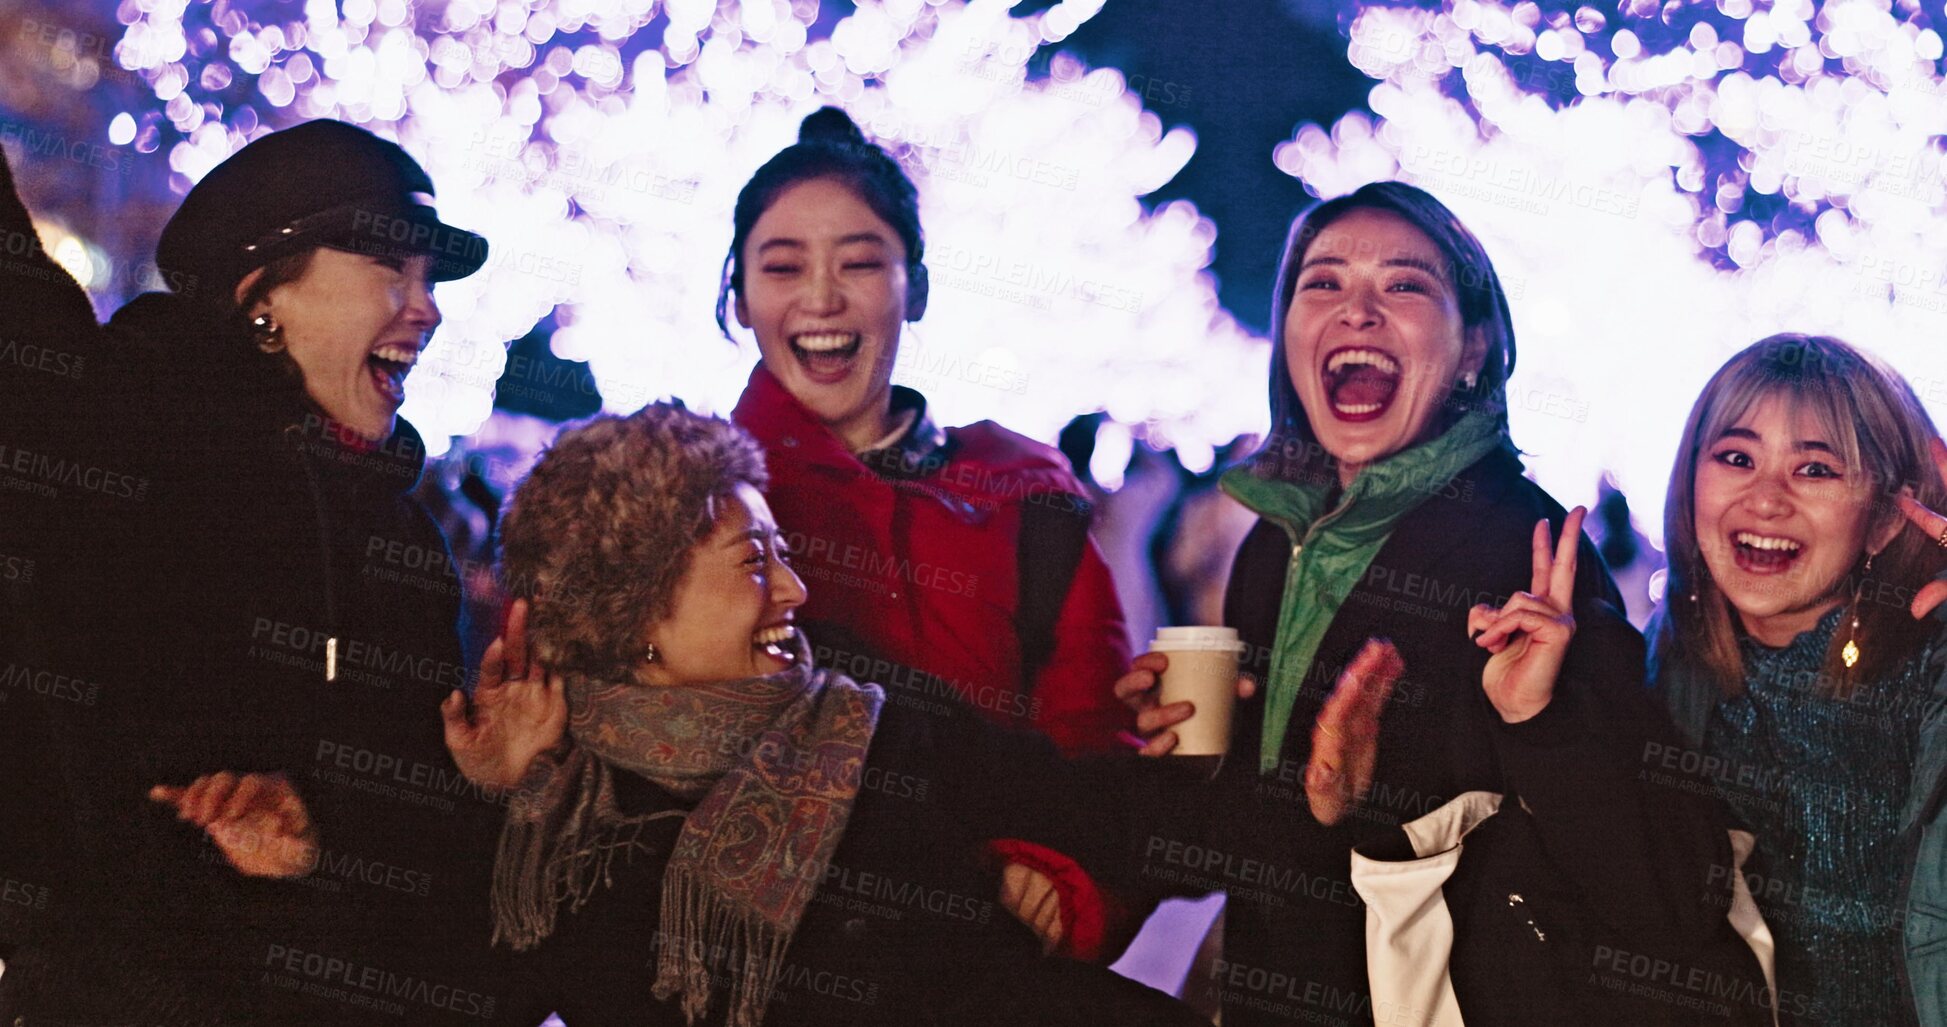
(1188,670)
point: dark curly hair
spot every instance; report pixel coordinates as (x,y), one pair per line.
(601,531)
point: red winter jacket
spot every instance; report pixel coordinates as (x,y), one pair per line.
(914,569)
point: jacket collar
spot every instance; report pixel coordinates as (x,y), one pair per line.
(184,348)
(769,411)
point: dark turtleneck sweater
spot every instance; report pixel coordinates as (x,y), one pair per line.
(1822,782)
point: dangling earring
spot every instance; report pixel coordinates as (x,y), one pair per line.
(1850,654)
(650,654)
(267,333)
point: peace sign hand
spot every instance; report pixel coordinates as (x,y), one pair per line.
(1529,636)
(1935,526)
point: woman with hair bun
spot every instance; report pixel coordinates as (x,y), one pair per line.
(951,566)
(947,562)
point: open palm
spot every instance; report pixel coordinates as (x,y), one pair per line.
(518,710)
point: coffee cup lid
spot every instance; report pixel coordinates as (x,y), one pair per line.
(1206,638)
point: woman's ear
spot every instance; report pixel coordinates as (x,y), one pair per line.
(1892,523)
(244,286)
(1473,350)
(740,309)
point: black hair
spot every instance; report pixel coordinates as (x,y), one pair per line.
(281,271)
(831,146)
(1483,308)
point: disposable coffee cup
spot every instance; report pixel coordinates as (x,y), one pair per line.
(1203,670)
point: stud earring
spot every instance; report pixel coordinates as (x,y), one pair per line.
(1468,379)
(650,654)
(267,333)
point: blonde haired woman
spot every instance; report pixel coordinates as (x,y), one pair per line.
(1788,655)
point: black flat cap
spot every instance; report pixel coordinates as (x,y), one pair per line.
(322,183)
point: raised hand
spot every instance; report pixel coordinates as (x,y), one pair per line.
(1345,738)
(1137,690)
(1529,636)
(518,711)
(258,821)
(1030,896)
(1933,593)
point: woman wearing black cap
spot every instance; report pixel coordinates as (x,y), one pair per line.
(238,807)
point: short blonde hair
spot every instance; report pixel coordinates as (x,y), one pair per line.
(1879,428)
(601,531)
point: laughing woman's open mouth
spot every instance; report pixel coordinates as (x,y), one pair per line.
(1360,383)
(389,365)
(1764,554)
(826,357)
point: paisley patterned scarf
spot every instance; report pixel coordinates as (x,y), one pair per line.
(773,764)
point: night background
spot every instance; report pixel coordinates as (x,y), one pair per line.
(1106,188)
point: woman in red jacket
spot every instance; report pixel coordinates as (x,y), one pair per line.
(947,563)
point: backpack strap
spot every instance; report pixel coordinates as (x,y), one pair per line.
(1048,552)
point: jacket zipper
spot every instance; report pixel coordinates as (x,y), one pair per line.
(323,518)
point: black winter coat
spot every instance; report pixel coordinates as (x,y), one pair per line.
(196,536)
(906,929)
(1638,856)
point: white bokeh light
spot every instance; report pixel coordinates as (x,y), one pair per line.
(604,173)
(1620,222)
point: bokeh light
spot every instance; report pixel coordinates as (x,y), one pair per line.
(1660,185)
(599,145)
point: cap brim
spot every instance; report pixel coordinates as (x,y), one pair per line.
(375,231)
(456,252)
